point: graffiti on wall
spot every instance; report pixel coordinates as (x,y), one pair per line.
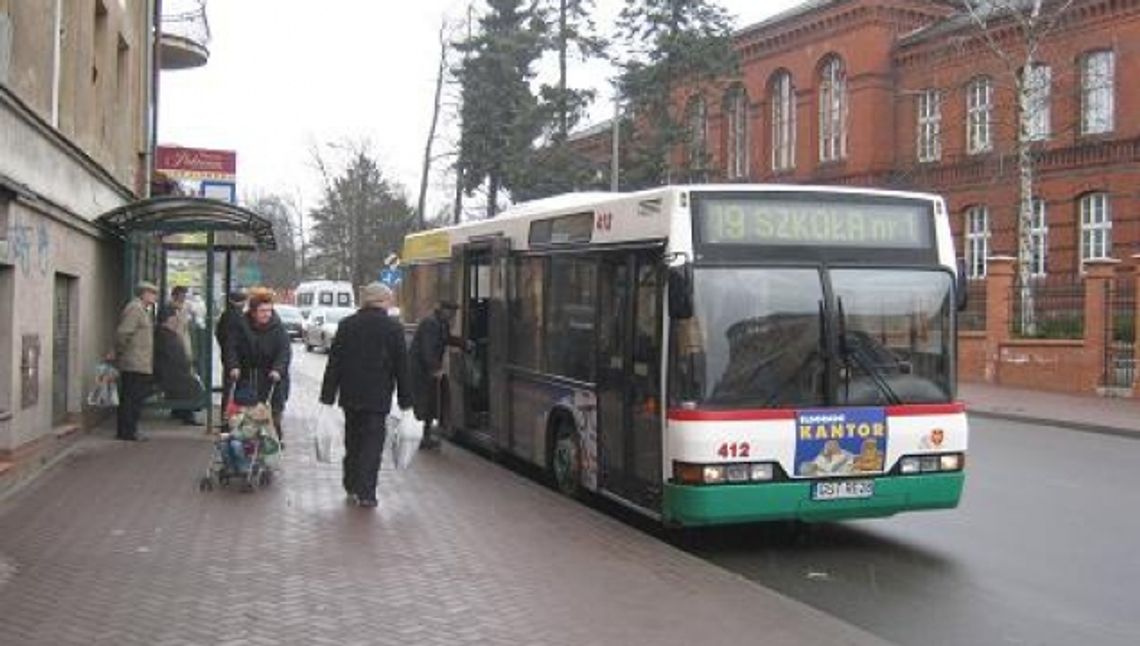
(29,248)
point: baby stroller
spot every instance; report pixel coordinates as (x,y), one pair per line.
(248,451)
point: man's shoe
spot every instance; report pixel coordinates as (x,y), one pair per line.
(368,502)
(351,499)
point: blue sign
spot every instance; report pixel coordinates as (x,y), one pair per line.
(840,442)
(391,276)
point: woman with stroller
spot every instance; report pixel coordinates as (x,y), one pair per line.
(257,358)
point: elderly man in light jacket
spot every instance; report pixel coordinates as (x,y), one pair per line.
(134,354)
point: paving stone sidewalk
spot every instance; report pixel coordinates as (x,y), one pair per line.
(117,546)
(1110,415)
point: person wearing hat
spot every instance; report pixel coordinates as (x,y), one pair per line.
(134,356)
(229,325)
(367,361)
(432,337)
(172,370)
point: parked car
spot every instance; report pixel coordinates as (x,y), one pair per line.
(292,320)
(321,330)
(316,294)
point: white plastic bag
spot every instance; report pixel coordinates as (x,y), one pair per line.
(105,394)
(328,438)
(409,432)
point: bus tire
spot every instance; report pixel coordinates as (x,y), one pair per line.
(566,458)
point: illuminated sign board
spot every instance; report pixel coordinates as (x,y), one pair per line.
(761,220)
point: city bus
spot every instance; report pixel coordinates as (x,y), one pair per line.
(710,354)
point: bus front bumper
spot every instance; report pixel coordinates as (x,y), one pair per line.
(747,503)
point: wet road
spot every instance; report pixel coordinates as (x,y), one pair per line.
(1045,549)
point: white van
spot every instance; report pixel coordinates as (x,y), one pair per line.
(324,293)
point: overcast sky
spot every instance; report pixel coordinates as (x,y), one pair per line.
(287,75)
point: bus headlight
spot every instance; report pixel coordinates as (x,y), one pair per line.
(713,474)
(951,462)
(761,471)
(913,464)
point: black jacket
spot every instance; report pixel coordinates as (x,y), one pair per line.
(368,359)
(256,352)
(172,367)
(428,345)
(228,326)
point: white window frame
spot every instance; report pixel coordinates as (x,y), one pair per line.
(929,143)
(1098,92)
(736,125)
(783,96)
(979,113)
(977,241)
(1096,227)
(1038,239)
(1039,81)
(833,111)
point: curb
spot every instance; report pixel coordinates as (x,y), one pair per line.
(1081,427)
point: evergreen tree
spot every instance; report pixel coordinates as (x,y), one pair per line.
(500,115)
(676,48)
(362,217)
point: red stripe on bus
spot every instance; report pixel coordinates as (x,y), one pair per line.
(903,410)
(741,414)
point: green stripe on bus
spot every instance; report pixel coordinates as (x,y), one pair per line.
(726,504)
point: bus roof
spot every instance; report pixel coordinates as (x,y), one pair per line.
(650,204)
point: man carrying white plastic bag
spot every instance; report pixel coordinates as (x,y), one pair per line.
(328,440)
(367,361)
(404,433)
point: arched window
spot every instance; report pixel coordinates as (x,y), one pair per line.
(979,115)
(696,120)
(832,110)
(736,129)
(782,96)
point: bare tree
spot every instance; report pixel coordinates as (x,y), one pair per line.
(421,205)
(1015,31)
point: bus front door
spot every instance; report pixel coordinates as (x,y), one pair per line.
(474,367)
(629,383)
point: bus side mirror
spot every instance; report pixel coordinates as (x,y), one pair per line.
(681,291)
(961,292)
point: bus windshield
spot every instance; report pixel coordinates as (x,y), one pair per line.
(770,337)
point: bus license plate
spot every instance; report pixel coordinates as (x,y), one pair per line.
(843,489)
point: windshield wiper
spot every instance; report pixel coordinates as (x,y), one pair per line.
(859,353)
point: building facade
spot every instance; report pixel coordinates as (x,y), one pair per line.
(912,94)
(77,113)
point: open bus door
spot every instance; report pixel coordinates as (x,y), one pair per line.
(499,339)
(457,360)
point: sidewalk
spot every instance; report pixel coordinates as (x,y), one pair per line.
(117,546)
(1108,415)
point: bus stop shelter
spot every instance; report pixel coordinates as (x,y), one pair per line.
(211,230)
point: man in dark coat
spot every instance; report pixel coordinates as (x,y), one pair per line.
(257,358)
(432,337)
(172,368)
(229,325)
(366,363)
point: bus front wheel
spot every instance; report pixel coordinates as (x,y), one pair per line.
(566,460)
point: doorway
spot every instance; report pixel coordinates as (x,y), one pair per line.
(63,320)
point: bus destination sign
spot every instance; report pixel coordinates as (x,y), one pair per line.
(763,221)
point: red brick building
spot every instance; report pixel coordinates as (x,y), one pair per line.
(907,94)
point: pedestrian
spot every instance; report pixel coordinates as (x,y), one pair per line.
(134,356)
(257,358)
(172,370)
(425,368)
(181,325)
(229,325)
(366,363)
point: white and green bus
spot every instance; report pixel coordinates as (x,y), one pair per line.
(710,354)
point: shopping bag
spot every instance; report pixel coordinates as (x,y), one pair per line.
(105,394)
(328,438)
(409,433)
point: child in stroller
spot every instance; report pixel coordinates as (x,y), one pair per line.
(248,451)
